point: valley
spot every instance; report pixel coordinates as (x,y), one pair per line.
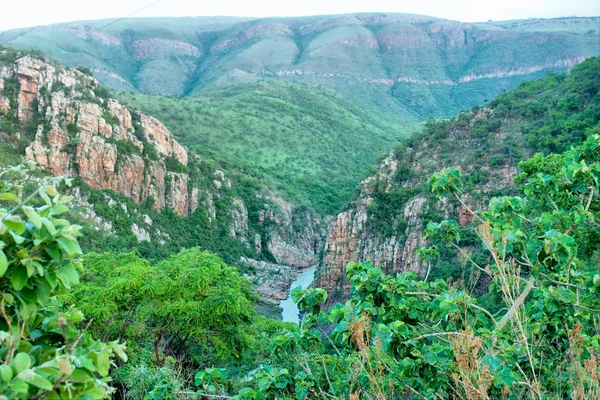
(431,186)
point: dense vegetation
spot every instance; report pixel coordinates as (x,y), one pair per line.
(548,115)
(407,338)
(396,337)
(312,142)
(176,321)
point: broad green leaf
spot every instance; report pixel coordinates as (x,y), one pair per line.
(15,223)
(6,373)
(103,363)
(36,380)
(33,216)
(21,362)
(3,263)
(19,277)
(8,197)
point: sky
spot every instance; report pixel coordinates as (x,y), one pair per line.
(19,13)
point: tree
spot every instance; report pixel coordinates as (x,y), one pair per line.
(45,351)
(406,338)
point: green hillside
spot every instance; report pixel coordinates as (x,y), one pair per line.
(314,143)
(407,65)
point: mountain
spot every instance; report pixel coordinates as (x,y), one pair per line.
(386,223)
(136,188)
(313,142)
(413,66)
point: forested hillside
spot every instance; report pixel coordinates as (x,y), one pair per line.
(386,223)
(136,188)
(406,65)
(313,142)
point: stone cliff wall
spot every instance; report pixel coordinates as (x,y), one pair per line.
(75,132)
(354,236)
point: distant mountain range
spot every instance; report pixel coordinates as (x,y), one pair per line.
(410,65)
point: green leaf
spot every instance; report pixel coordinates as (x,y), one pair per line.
(36,380)
(15,223)
(8,197)
(69,246)
(19,277)
(21,362)
(33,216)
(3,263)
(6,373)
(71,273)
(103,363)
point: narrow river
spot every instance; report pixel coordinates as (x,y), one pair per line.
(290,312)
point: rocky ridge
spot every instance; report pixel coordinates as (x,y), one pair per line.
(356,234)
(399,63)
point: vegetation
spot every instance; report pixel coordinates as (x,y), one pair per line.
(406,338)
(548,115)
(362,56)
(45,349)
(312,142)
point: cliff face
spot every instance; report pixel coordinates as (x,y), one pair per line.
(398,188)
(82,135)
(69,126)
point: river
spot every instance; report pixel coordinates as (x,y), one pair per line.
(290,312)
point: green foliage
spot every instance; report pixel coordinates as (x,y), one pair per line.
(44,349)
(312,142)
(559,110)
(110,119)
(173,165)
(190,300)
(407,338)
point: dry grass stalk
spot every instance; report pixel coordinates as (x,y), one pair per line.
(474,378)
(584,374)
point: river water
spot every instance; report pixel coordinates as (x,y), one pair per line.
(290,312)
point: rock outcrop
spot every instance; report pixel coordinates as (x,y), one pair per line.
(357,235)
(73,131)
(95,139)
(272,281)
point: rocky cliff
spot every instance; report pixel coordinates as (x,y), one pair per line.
(80,134)
(132,169)
(385,223)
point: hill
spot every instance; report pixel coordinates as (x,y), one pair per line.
(385,224)
(408,65)
(314,143)
(135,187)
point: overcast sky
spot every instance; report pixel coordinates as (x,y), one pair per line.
(20,13)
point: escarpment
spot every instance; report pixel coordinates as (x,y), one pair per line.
(385,224)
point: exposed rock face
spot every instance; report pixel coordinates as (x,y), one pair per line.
(272,281)
(78,140)
(100,141)
(147,47)
(162,138)
(354,235)
(295,236)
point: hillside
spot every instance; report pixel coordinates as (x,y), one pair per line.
(408,65)
(386,223)
(136,188)
(313,143)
